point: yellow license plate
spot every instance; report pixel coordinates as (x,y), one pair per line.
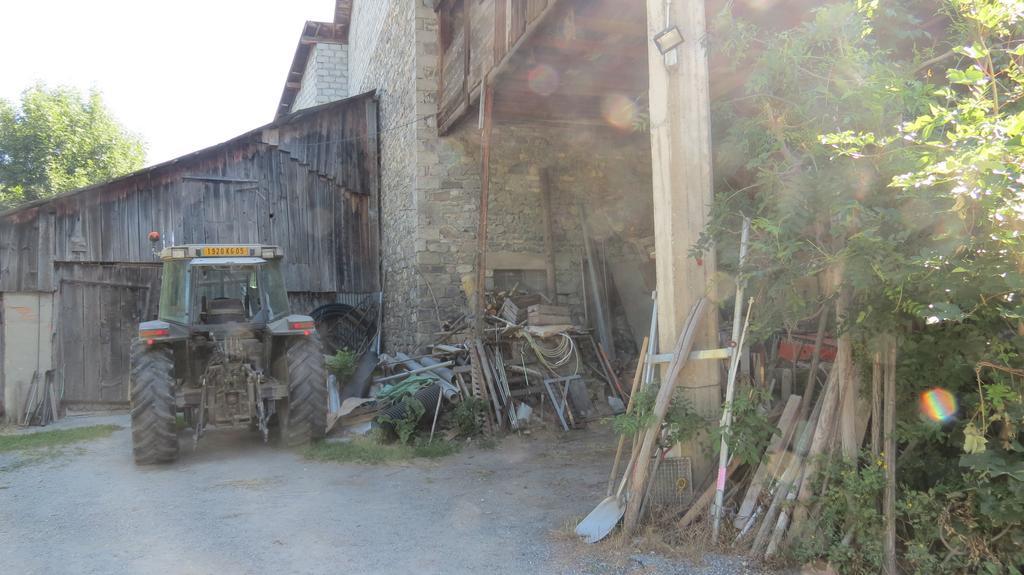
(225,251)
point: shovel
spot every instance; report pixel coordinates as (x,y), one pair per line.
(607,514)
(603,519)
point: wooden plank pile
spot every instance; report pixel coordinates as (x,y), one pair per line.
(765,505)
(42,404)
(541,315)
(515,309)
(769,504)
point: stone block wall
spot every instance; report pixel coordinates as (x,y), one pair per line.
(386,63)
(326,76)
(598,170)
(369,19)
(447,195)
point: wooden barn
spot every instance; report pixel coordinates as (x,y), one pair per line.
(77,272)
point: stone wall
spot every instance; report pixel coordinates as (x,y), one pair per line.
(387,64)
(598,170)
(369,18)
(325,78)
(447,193)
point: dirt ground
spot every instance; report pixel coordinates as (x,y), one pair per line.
(235,505)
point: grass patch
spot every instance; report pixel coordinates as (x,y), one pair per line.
(364,450)
(54,438)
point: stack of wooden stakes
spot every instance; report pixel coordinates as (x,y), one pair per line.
(42,405)
(773,506)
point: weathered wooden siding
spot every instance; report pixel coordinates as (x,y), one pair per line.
(481,40)
(100,307)
(476,36)
(307,183)
(3,408)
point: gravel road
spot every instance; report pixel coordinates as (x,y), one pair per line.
(238,506)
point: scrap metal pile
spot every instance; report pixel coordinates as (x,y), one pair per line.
(532,366)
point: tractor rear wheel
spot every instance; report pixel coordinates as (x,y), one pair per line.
(305,417)
(154,423)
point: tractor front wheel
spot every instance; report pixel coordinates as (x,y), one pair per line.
(154,425)
(305,416)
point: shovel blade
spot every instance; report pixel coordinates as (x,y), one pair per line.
(601,521)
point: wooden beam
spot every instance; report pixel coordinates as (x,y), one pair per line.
(531,29)
(681,156)
(549,235)
(485,180)
(491,74)
(467,35)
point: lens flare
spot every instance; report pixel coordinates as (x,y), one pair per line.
(618,111)
(938,404)
(543,80)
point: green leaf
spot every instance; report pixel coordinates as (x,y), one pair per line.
(944,311)
(971,76)
(994,465)
(1015,124)
(974,442)
(976,51)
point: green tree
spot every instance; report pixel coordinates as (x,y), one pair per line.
(878,148)
(57,140)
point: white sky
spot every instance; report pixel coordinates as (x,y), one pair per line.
(184,74)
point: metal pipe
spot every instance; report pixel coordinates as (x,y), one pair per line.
(412,372)
(450,391)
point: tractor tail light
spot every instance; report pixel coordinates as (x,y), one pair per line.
(306,327)
(150,334)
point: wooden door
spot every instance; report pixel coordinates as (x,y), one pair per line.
(97,323)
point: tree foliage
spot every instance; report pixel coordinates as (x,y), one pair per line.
(57,140)
(877,147)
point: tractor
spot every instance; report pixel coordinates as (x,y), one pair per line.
(224,351)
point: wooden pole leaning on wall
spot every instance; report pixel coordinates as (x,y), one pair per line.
(876,403)
(629,409)
(549,235)
(889,450)
(661,404)
(485,179)
(730,384)
(812,375)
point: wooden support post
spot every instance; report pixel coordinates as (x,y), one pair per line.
(876,404)
(889,454)
(485,178)
(549,239)
(681,164)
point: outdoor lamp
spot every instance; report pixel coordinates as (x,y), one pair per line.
(668,39)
